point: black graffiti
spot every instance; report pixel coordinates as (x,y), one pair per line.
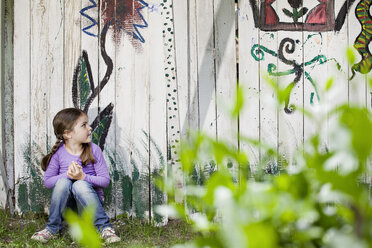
(333,21)
(341,16)
(80,90)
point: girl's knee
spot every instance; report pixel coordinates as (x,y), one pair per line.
(63,184)
(82,187)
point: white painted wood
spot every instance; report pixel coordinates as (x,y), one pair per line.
(140,96)
(41,65)
(314,45)
(22,96)
(336,44)
(290,125)
(91,45)
(72,46)
(268,103)
(249,81)
(157,110)
(204,80)
(206,67)
(7,95)
(3,180)
(225,70)
(124,124)
(106,96)
(55,69)
(185,23)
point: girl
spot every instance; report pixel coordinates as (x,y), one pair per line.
(77,172)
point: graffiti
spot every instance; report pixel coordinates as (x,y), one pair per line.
(127,186)
(125,16)
(33,196)
(137,33)
(92,20)
(84,92)
(288,46)
(297,13)
(313,17)
(340,20)
(364,38)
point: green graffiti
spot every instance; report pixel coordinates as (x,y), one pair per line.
(141,196)
(23,198)
(297,12)
(84,84)
(258,52)
(362,12)
(127,189)
(33,187)
(98,131)
(312,98)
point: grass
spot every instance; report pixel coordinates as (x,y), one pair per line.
(16,232)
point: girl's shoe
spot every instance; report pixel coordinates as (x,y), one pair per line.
(108,234)
(43,236)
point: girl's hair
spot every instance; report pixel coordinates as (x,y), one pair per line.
(65,120)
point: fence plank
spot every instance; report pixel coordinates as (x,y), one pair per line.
(157,111)
(249,74)
(3,182)
(206,67)
(357,85)
(268,103)
(55,73)
(22,102)
(7,96)
(187,63)
(72,46)
(107,41)
(124,111)
(290,118)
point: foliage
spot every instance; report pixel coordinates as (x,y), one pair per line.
(82,229)
(318,201)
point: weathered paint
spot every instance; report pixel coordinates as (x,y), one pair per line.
(155,69)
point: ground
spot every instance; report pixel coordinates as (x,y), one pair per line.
(16,232)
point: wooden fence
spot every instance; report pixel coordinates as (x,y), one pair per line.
(147,71)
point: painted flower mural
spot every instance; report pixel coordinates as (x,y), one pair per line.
(296,12)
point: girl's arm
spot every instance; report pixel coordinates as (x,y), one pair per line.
(51,174)
(102,177)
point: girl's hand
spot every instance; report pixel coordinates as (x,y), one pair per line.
(75,171)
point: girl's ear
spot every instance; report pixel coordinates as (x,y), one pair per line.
(67,135)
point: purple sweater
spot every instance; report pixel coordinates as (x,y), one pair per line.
(96,174)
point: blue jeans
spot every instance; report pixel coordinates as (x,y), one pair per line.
(67,193)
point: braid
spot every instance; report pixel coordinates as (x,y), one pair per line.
(87,155)
(46,159)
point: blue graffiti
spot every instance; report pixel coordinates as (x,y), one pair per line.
(93,22)
(137,34)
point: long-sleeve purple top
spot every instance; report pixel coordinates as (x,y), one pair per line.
(96,174)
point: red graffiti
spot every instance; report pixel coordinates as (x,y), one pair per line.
(122,16)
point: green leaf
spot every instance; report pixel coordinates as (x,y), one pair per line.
(82,229)
(350,55)
(288,13)
(329,84)
(239,102)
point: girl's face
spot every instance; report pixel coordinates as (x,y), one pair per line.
(82,132)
